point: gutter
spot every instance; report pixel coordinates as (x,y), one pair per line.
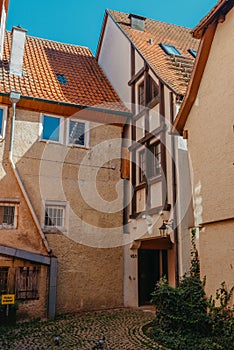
(50,261)
(73,105)
(15,97)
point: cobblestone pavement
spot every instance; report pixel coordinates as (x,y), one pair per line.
(121,328)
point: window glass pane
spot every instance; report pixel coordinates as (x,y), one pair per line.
(62,79)
(54,216)
(7,214)
(3,279)
(193,52)
(76,133)
(170,49)
(155,160)
(1,121)
(51,128)
(142,175)
(141,96)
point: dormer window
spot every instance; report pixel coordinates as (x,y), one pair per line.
(61,79)
(137,22)
(170,49)
(193,52)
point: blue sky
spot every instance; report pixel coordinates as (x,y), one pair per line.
(79,22)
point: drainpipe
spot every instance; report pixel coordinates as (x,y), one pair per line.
(174,193)
(15,97)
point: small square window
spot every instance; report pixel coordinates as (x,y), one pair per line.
(170,49)
(3,113)
(54,216)
(193,52)
(77,133)
(52,128)
(61,79)
(8,216)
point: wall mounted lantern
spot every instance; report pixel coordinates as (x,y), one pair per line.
(164,228)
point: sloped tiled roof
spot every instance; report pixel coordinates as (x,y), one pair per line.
(174,70)
(43,59)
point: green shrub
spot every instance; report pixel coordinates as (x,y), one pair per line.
(186,319)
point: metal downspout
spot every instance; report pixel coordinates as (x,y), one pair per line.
(174,194)
(15,97)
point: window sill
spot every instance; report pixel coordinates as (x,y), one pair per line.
(78,146)
(51,142)
(54,230)
(3,227)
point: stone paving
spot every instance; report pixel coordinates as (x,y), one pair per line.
(121,328)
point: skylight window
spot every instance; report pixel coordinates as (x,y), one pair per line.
(61,79)
(170,49)
(193,52)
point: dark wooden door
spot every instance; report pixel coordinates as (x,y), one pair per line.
(148,273)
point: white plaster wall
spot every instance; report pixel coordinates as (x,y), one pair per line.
(114,59)
(130,277)
(139,62)
(156,195)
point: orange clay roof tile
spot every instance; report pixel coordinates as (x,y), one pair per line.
(165,66)
(44,59)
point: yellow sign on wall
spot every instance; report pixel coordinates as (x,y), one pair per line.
(8,299)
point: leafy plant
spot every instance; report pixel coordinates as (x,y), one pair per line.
(186,319)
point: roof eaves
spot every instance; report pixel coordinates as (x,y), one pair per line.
(101,34)
(68,104)
(217,13)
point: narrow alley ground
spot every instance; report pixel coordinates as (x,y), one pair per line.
(121,328)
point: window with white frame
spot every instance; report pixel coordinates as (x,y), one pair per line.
(77,133)
(154,166)
(55,216)
(52,128)
(3,114)
(8,216)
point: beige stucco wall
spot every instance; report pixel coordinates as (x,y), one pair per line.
(88,278)
(217,256)
(210,128)
(87,181)
(26,235)
(211,148)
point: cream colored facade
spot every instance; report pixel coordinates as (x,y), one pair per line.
(142,233)
(22,251)
(211,148)
(86,182)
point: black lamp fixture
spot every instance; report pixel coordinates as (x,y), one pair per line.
(164,228)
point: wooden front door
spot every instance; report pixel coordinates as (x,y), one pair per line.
(152,264)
